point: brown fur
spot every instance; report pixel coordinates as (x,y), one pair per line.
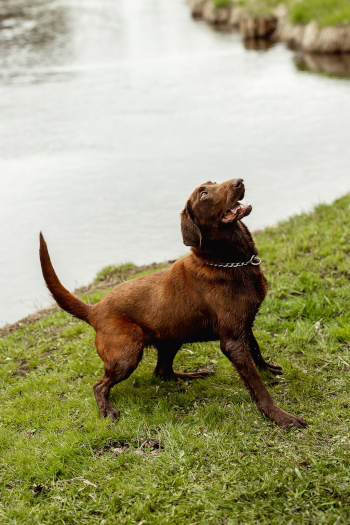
(191,301)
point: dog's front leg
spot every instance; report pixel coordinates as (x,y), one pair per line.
(238,352)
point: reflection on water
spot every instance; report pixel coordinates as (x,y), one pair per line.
(333,65)
(258,44)
(113,111)
(33,33)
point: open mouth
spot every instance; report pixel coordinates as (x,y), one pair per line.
(238,211)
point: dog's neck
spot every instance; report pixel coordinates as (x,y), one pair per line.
(237,247)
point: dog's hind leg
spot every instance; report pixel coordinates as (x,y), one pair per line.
(121,351)
(164,368)
(258,358)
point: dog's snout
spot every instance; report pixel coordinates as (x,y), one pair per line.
(237,183)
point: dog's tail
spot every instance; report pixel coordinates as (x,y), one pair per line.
(63,298)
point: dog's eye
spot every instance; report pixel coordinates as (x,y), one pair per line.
(203,194)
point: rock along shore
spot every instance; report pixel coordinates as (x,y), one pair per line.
(275,27)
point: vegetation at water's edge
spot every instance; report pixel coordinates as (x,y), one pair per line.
(222,3)
(112,269)
(324,12)
(220,461)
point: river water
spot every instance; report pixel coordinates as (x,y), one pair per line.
(112,112)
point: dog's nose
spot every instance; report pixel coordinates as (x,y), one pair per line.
(237,183)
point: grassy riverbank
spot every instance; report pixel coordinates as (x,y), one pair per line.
(219,460)
(324,12)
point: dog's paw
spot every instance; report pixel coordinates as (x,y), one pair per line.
(275,370)
(285,420)
(110,412)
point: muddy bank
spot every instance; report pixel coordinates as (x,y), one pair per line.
(275,27)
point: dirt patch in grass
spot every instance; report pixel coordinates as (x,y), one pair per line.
(23,368)
(116,448)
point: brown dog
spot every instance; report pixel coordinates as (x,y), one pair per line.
(197,299)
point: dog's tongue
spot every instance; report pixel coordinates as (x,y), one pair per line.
(229,216)
(235,209)
(239,206)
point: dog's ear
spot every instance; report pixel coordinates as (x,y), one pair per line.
(190,232)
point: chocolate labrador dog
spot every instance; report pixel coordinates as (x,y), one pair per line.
(213,293)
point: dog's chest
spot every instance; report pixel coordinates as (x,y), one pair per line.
(243,294)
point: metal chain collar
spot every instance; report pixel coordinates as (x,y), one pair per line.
(235,265)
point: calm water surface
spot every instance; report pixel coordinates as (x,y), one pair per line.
(111,112)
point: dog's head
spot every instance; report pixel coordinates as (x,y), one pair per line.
(212,211)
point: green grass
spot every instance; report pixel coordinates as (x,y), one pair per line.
(222,3)
(324,12)
(258,7)
(113,269)
(221,461)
